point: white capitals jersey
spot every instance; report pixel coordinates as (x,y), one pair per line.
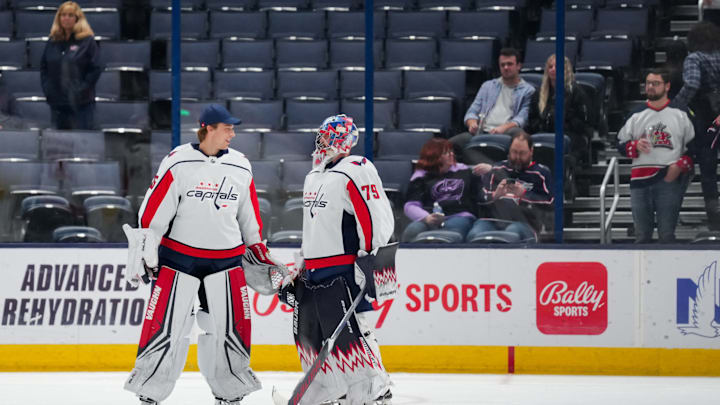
(203,206)
(345,209)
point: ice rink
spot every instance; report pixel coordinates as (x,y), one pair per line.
(436,389)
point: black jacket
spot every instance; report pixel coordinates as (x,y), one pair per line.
(576,113)
(69,71)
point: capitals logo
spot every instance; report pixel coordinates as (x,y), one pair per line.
(698,304)
(314,200)
(219,194)
(659,137)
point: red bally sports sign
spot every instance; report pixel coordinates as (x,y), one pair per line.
(571,298)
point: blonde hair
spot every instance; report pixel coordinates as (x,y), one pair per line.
(202,132)
(545,87)
(82,27)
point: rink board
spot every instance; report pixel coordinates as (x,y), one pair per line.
(563,311)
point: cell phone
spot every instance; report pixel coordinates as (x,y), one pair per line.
(510,181)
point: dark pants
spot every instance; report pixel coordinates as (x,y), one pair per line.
(67,117)
(658,204)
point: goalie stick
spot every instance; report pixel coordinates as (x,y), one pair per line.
(327,346)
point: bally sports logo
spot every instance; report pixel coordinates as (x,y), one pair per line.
(572,298)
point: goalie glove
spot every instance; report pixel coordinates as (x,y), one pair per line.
(142,263)
(263,273)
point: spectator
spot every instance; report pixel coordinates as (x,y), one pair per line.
(440,178)
(69,69)
(657,138)
(501,106)
(676,52)
(542,110)
(517,191)
(701,93)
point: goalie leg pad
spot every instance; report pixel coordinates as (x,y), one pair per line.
(354,367)
(224,348)
(164,339)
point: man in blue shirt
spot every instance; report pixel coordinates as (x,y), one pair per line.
(501,106)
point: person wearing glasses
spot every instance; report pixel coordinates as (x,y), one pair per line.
(658,138)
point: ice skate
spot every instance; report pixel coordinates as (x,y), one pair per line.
(148,401)
(220,401)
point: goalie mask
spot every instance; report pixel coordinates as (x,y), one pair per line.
(337,135)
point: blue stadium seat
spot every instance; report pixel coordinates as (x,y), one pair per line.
(395,175)
(410,54)
(515,5)
(383,113)
(83,180)
(231,5)
(194,85)
(19,180)
(306,116)
(293,175)
(35,114)
(185,5)
(108,86)
(238,25)
(249,143)
(77,234)
(258,116)
(244,85)
(534,78)
(283,5)
(6,25)
(334,5)
(416,25)
(537,52)
(194,25)
(42,214)
(35,50)
(90,6)
(266,175)
(436,85)
(633,22)
(74,146)
(401,145)
(317,85)
(584,4)
(479,25)
(23,85)
(33,25)
(494,147)
(578,23)
(351,25)
(303,25)
(122,117)
(247,55)
(467,54)
(387,85)
(305,55)
(605,54)
(107,214)
(445,5)
(350,55)
(197,55)
(125,55)
(12,55)
(389,5)
(106,25)
(19,145)
(288,146)
(425,116)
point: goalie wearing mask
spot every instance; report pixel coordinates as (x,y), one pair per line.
(200,236)
(346,214)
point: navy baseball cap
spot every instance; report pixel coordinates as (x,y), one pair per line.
(215,114)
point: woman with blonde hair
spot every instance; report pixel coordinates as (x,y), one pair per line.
(69,69)
(542,109)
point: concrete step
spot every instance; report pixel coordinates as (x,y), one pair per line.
(624,218)
(685,11)
(694,203)
(681,26)
(620,234)
(694,188)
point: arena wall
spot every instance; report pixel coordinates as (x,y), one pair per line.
(548,311)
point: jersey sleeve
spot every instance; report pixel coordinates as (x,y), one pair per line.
(161,200)
(371,207)
(248,215)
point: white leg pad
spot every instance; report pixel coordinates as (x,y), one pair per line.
(164,339)
(224,348)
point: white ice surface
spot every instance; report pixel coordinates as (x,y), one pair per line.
(436,389)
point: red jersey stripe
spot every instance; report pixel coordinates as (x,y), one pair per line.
(329,261)
(156,198)
(157,308)
(202,253)
(362,213)
(643,172)
(256,207)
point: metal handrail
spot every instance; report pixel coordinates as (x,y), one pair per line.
(700,10)
(606,222)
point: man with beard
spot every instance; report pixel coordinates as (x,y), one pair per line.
(658,139)
(518,195)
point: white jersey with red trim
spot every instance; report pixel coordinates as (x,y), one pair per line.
(203,206)
(345,209)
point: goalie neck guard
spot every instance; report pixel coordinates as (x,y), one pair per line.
(336,136)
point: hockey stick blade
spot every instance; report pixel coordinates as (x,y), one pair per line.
(302,387)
